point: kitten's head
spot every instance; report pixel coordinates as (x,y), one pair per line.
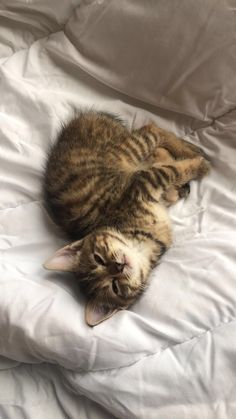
(110,271)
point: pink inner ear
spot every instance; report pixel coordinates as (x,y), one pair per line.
(63,260)
(95,314)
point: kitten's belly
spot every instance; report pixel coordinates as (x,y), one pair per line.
(159,212)
(161,224)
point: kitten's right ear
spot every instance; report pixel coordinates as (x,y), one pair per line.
(65,259)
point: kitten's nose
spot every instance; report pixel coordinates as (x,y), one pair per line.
(116,267)
(120,266)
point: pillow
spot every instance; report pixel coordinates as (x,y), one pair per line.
(176,55)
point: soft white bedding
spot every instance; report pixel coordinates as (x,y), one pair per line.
(172,356)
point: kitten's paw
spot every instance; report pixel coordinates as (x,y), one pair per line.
(194,148)
(184,190)
(204,167)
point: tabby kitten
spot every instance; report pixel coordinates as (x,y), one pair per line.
(108,189)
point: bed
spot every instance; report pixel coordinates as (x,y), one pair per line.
(173,354)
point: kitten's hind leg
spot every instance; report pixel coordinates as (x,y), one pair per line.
(173,194)
(153,183)
(184,190)
(177,177)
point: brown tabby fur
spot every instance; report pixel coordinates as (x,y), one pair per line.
(108,188)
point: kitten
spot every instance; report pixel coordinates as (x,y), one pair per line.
(108,189)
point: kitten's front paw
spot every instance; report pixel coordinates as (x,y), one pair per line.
(184,190)
(204,167)
(194,148)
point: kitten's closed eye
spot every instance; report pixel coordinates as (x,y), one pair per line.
(115,287)
(122,290)
(99,260)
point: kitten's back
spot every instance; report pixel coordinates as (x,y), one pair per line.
(83,177)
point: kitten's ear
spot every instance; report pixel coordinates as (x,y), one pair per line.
(65,259)
(95,314)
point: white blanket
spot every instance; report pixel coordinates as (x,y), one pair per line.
(172,355)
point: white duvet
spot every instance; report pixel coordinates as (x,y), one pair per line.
(173,354)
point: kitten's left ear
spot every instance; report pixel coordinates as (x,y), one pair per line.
(95,314)
(65,259)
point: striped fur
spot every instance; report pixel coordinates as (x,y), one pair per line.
(108,189)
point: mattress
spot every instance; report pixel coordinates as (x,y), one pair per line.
(172,355)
